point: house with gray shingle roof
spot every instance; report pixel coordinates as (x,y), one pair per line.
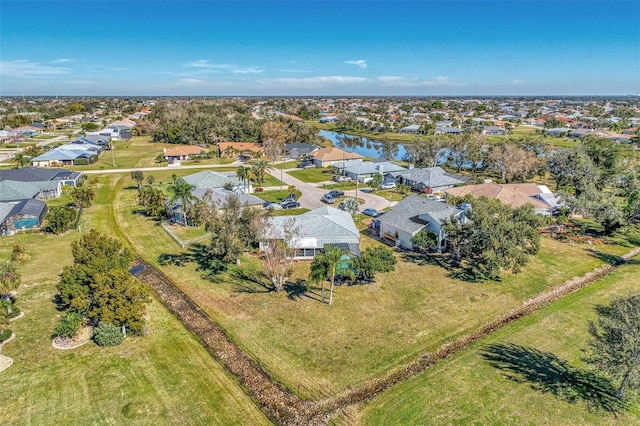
(213,196)
(362,170)
(11,190)
(34,174)
(434,178)
(25,214)
(411,215)
(211,179)
(316,229)
(67,155)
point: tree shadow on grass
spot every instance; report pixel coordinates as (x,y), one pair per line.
(196,253)
(611,259)
(298,289)
(248,280)
(444,261)
(546,372)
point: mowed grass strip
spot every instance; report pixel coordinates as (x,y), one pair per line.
(319,350)
(313,175)
(466,389)
(166,377)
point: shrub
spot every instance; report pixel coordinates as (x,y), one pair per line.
(68,325)
(19,254)
(107,335)
(81,162)
(4,335)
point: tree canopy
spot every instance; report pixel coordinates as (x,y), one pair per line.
(495,238)
(614,348)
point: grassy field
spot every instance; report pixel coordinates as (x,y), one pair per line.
(533,378)
(163,378)
(319,350)
(313,175)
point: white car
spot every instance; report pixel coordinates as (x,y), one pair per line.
(388,185)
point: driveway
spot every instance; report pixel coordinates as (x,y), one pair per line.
(312,192)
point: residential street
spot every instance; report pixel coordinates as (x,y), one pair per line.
(312,192)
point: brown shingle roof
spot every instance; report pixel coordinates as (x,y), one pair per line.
(332,153)
(184,150)
(514,195)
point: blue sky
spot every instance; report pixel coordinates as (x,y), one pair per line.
(319,48)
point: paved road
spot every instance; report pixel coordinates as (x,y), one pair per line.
(312,192)
(156,169)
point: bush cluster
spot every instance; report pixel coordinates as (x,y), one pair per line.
(107,335)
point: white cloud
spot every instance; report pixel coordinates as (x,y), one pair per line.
(294,71)
(61,61)
(517,81)
(312,82)
(28,69)
(248,70)
(361,63)
(193,81)
(202,66)
(406,82)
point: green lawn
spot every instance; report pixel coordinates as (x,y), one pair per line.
(165,377)
(369,330)
(276,196)
(314,175)
(468,390)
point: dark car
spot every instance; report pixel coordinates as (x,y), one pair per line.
(335,193)
(305,164)
(290,197)
(290,204)
(328,198)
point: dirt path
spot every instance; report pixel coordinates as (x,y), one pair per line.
(280,404)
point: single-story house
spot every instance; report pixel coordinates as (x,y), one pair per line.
(25,214)
(514,195)
(13,191)
(411,215)
(240,149)
(448,131)
(215,196)
(330,155)
(209,179)
(413,129)
(433,178)
(362,170)
(558,131)
(68,155)
(329,119)
(183,152)
(101,141)
(297,149)
(34,174)
(493,130)
(315,230)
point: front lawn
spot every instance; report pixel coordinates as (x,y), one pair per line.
(322,350)
(313,175)
(537,380)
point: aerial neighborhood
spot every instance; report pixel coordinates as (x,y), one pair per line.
(388,231)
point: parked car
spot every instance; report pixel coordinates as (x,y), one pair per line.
(340,178)
(328,198)
(272,206)
(371,212)
(305,164)
(290,197)
(335,193)
(290,204)
(388,185)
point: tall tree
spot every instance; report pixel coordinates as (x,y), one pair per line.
(138,176)
(20,160)
(182,191)
(614,348)
(234,228)
(279,251)
(324,266)
(274,134)
(260,168)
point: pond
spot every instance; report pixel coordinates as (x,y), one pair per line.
(366,147)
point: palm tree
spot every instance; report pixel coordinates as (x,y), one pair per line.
(182,191)
(246,174)
(260,167)
(325,266)
(20,160)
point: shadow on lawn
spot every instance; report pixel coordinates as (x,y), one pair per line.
(611,259)
(298,289)
(546,372)
(443,261)
(196,253)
